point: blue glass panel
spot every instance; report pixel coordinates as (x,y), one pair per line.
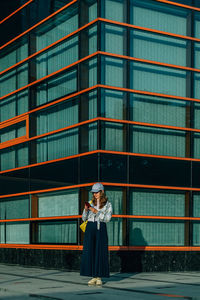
(157,79)
(156,233)
(157,141)
(57,232)
(157,203)
(159,16)
(157,47)
(158,110)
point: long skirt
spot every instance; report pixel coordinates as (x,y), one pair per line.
(94,260)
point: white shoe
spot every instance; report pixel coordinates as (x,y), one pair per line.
(92,281)
(98,281)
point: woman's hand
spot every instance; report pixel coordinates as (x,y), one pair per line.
(93,210)
(86,208)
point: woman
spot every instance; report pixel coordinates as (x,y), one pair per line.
(94,261)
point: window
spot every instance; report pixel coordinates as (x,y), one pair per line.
(14,131)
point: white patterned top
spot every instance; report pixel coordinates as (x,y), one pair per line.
(103,215)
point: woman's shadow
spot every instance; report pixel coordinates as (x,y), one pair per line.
(129,262)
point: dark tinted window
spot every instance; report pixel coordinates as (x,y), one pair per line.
(113,168)
(156,171)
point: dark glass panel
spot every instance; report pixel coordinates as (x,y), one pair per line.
(157,171)
(14,182)
(89,168)
(54,175)
(113,168)
(196,174)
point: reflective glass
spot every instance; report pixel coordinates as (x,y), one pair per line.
(57,27)
(112,136)
(196,205)
(14,105)
(158,171)
(156,47)
(57,145)
(58,116)
(157,141)
(56,87)
(158,79)
(157,110)
(60,232)
(196,234)
(12,132)
(112,10)
(113,39)
(112,71)
(52,175)
(14,208)
(114,227)
(13,157)
(14,80)
(159,16)
(112,104)
(157,203)
(64,203)
(17,233)
(113,168)
(156,233)
(57,57)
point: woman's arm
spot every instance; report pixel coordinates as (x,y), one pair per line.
(85,213)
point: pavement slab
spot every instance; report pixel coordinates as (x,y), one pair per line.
(30,283)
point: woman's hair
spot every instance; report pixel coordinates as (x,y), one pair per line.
(103,199)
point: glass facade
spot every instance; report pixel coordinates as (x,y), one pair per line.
(101,90)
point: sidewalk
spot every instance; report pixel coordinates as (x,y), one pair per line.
(23,283)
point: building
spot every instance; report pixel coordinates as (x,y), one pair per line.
(109,91)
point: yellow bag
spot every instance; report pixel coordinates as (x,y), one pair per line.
(83,226)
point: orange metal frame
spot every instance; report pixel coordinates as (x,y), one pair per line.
(39,23)
(50,46)
(91,23)
(178,4)
(111,248)
(16,11)
(104,54)
(92,121)
(20,139)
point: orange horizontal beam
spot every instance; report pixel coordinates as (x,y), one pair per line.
(146,61)
(110,184)
(71,96)
(13,142)
(179,4)
(111,248)
(76,125)
(49,76)
(13,121)
(146,93)
(143,124)
(105,152)
(39,23)
(48,190)
(49,46)
(16,11)
(174,35)
(17,140)
(143,217)
(3,145)
(44,106)
(92,56)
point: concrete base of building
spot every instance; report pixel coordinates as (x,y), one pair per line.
(120,261)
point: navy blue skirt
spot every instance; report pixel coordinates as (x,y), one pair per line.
(94,260)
